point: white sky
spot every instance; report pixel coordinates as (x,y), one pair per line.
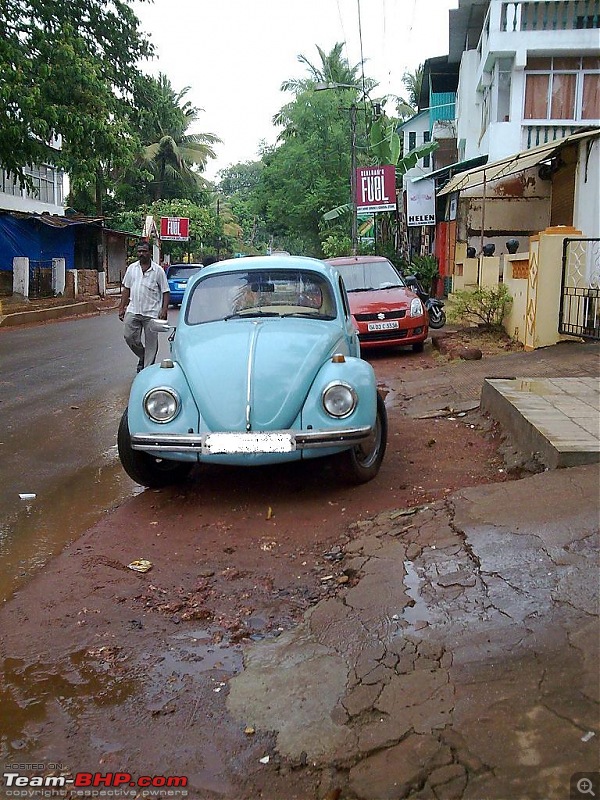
(234,54)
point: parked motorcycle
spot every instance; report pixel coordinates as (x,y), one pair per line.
(434,307)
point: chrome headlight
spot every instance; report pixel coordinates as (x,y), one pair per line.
(416,308)
(339,399)
(162,404)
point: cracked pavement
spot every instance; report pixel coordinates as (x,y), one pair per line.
(460,660)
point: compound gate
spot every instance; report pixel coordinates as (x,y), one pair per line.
(580,289)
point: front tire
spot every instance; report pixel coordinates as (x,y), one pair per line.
(362,463)
(145,469)
(437,318)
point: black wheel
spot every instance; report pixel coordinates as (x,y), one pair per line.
(437,318)
(145,469)
(362,463)
(418,347)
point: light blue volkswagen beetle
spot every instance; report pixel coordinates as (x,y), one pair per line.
(265,368)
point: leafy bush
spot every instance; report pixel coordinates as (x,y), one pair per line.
(336,245)
(426,269)
(487,307)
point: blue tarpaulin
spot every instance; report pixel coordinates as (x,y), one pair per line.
(36,240)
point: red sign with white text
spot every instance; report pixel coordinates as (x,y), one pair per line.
(375,189)
(175,229)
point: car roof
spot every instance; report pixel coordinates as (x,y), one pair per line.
(274,261)
(343,261)
(185,266)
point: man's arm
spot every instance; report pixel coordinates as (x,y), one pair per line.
(125,295)
(162,314)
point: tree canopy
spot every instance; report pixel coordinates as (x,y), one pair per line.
(69,70)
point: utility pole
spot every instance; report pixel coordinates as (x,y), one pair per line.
(354,233)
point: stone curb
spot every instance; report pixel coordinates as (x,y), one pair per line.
(43,314)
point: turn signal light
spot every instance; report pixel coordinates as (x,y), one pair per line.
(339,358)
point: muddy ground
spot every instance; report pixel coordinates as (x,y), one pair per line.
(108,669)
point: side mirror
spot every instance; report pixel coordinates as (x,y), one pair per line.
(159,326)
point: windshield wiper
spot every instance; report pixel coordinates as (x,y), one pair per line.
(307,314)
(244,315)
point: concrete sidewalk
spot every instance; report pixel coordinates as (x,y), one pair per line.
(547,401)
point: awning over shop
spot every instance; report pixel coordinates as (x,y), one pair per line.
(451,169)
(508,166)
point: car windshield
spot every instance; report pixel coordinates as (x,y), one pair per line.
(185,272)
(257,293)
(366,275)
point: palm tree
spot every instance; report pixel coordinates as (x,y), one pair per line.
(333,69)
(412,83)
(169,152)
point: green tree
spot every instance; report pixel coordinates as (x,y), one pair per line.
(412,83)
(169,152)
(204,226)
(334,68)
(237,185)
(307,171)
(68,69)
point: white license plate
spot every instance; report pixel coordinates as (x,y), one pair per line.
(249,443)
(388,325)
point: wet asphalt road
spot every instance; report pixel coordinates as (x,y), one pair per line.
(63,388)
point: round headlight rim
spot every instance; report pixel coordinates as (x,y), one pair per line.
(351,390)
(168,390)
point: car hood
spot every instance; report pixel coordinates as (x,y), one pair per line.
(267,366)
(380,300)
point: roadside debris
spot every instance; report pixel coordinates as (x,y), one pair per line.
(27,496)
(140,565)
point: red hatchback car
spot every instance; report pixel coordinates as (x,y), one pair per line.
(387,313)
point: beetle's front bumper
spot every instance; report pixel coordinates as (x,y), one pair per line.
(258,442)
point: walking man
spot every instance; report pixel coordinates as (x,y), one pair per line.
(145,297)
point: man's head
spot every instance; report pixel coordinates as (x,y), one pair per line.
(143,252)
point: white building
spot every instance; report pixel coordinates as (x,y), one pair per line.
(47,195)
(529,73)
(416,132)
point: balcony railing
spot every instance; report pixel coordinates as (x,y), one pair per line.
(550,15)
(534,135)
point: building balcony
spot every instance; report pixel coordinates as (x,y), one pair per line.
(544,26)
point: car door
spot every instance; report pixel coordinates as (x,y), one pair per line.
(349,324)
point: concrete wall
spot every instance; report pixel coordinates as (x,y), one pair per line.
(544,287)
(516,277)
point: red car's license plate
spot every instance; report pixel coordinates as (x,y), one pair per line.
(387,325)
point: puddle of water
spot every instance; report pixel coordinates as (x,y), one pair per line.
(90,677)
(39,529)
(192,653)
(419,611)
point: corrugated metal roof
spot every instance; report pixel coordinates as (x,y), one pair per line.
(66,221)
(508,166)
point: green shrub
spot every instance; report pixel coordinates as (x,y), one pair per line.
(426,269)
(486,307)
